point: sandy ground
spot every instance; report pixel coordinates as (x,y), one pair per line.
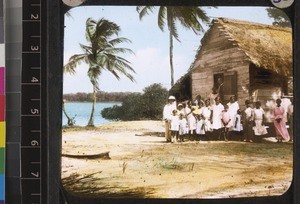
(142,164)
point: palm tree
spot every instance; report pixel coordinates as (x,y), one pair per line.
(101,55)
(188,16)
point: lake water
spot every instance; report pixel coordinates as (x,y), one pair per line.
(82,110)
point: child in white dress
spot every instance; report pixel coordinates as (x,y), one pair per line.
(183,127)
(174,121)
(227,123)
(192,123)
(204,124)
(238,126)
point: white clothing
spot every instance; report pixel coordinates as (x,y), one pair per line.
(180,111)
(168,111)
(238,127)
(203,126)
(217,116)
(183,127)
(192,122)
(206,112)
(186,111)
(290,110)
(259,129)
(258,113)
(285,102)
(232,110)
(174,122)
(249,113)
(199,128)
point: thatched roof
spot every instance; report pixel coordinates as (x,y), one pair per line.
(268,47)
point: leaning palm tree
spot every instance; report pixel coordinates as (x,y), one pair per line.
(188,16)
(101,54)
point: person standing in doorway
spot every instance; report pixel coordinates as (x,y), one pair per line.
(167,115)
(221,89)
(213,95)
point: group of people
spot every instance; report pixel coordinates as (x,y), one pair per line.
(211,120)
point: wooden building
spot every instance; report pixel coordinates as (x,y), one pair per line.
(253,60)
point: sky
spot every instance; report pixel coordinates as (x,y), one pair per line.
(149,44)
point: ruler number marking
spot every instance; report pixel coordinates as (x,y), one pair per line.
(34,111)
(34,16)
(35,174)
(35,48)
(34,143)
(34,80)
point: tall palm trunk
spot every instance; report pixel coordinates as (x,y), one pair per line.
(91,120)
(171,59)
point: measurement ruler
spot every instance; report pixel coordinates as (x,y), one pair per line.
(31,132)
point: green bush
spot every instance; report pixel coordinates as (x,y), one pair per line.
(148,105)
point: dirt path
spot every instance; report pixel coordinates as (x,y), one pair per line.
(143,165)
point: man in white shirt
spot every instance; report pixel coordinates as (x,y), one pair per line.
(216,117)
(167,115)
(233,106)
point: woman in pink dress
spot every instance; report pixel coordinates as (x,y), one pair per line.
(279,123)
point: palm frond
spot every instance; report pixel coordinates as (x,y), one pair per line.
(86,49)
(144,10)
(105,29)
(118,50)
(90,29)
(74,61)
(161,17)
(171,24)
(116,41)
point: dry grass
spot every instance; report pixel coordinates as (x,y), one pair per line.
(146,166)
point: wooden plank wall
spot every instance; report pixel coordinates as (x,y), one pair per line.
(217,55)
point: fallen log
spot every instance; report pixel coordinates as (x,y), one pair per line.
(103,155)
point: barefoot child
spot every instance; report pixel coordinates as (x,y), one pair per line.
(183,127)
(192,123)
(226,121)
(238,126)
(204,124)
(174,126)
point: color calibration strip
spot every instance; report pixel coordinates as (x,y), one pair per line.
(2,106)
